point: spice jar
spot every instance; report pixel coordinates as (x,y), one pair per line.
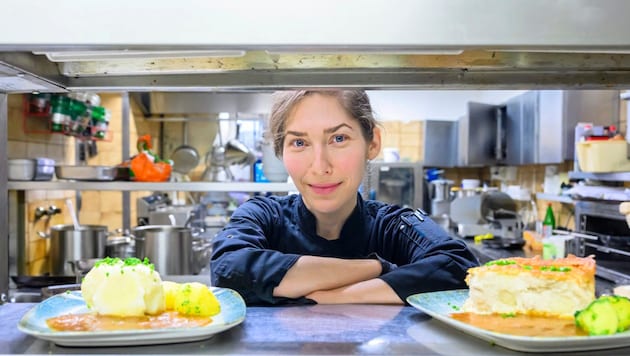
(100,121)
(60,112)
(39,103)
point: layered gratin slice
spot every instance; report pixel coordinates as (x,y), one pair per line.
(531,286)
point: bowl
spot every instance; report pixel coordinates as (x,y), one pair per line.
(21,169)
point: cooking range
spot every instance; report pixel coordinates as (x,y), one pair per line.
(611,246)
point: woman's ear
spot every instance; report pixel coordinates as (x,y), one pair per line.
(374,147)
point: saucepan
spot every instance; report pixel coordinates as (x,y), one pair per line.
(173,250)
(69,244)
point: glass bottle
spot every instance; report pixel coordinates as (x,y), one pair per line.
(549,222)
(100,120)
(60,112)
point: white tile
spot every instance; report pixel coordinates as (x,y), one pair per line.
(16,149)
(35,150)
(55,152)
(35,195)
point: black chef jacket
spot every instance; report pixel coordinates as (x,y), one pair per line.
(266,236)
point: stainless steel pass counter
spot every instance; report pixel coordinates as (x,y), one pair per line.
(290,330)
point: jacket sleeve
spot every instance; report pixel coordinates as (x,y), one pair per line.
(241,259)
(428,258)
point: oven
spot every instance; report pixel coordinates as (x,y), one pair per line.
(611,246)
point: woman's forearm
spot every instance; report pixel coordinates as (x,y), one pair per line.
(373,291)
(312,273)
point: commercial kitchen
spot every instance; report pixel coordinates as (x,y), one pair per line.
(489,110)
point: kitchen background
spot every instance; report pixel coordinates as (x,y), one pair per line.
(402,114)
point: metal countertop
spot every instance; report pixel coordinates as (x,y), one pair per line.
(314,329)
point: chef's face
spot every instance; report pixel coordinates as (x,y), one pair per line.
(325,153)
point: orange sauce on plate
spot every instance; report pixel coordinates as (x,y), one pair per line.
(95,322)
(522,325)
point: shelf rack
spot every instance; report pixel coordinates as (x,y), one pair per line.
(144,186)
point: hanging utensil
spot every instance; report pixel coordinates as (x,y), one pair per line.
(185,157)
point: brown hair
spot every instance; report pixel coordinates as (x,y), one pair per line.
(355,102)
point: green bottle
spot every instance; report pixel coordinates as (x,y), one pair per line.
(549,222)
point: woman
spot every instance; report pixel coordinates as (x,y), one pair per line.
(328,245)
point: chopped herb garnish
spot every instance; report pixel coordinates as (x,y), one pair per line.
(508,315)
(501,263)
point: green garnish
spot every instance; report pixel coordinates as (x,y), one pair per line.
(508,315)
(501,263)
(555,269)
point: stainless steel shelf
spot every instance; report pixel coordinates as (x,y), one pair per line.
(610,177)
(141,186)
(554,197)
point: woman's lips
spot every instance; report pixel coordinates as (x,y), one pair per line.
(324,188)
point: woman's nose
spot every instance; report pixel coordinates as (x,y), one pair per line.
(321,163)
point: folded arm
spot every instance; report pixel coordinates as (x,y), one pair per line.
(312,273)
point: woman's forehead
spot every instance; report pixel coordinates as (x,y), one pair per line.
(319,111)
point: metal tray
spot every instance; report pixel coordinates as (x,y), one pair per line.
(92,173)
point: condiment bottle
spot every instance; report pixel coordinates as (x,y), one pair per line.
(549,222)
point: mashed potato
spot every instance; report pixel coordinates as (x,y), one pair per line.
(123,288)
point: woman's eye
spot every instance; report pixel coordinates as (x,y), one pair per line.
(298,143)
(339,138)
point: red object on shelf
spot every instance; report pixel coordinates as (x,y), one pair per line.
(597,138)
(38,126)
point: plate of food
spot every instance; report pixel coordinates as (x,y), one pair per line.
(124,303)
(533,305)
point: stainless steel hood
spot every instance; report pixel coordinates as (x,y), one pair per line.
(245,45)
(191,106)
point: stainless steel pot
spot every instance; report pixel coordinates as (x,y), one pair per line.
(120,244)
(68,244)
(169,248)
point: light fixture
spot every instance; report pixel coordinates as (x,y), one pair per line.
(78,56)
(370,51)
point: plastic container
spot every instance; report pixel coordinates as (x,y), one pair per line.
(44,169)
(603,156)
(21,169)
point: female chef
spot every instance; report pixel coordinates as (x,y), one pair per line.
(326,244)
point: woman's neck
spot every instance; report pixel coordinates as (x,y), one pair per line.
(329,226)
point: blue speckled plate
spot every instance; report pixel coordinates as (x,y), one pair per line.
(34,323)
(440,305)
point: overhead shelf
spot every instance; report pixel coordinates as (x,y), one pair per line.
(609,177)
(141,186)
(554,197)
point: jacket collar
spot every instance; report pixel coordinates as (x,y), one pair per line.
(354,225)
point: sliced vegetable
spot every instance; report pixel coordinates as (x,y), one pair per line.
(606,315)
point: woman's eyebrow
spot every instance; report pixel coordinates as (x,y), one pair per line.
(327,131)
(335,128)
(296,133)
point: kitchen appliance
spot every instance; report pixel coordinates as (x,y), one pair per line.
(611,246)
(541,124)
(68,244)
(440,194)
(399,183)
(146,205)
(491,212)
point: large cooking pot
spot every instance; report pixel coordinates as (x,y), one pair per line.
(68,244)
(172,249)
